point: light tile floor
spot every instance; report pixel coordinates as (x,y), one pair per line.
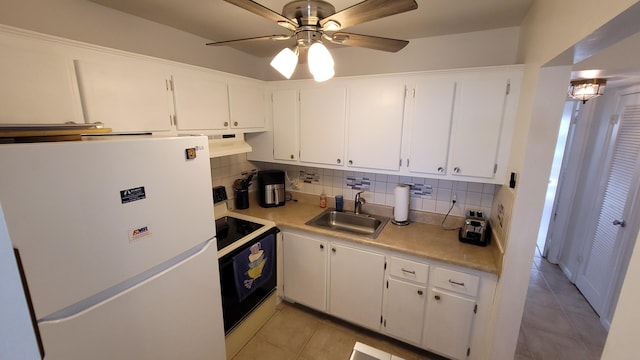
(558,323)
(295,332)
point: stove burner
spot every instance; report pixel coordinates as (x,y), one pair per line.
(230,229)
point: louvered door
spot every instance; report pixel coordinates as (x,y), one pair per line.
(597,276)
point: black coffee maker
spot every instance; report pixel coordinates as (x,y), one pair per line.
(271,188)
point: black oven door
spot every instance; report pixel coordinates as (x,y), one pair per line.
(247,277)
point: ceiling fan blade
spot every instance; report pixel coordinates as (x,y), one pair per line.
(367,41)
(263,11)
(369,10)
(251,39)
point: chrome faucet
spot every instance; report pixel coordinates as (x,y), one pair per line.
(359,201)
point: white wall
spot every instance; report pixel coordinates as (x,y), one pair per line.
(476,49)
(546,33)
(92,23)
(89,22)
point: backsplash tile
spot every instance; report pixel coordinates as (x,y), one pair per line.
(427,194)
(432,195)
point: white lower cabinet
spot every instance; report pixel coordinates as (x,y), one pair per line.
(355,290)
(404,303)
(305,270)
(405,299)
(440,308)
(448,324)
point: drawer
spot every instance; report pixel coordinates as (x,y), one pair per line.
(455,281)
(409,270)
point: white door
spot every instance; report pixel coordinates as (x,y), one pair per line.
(285,124)
(448,323)
(125,94)
(604,253)
(376,113)
(404,309)
(246,105)
(431,125)
(201,101)
(356,282)
(322,125)
(305,270)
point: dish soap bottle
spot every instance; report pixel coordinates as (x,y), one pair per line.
(323,200)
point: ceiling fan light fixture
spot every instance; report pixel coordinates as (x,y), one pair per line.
(321,63)
(586,89)
(285,62)
(331,25)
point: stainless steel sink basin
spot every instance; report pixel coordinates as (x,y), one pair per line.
(348,222)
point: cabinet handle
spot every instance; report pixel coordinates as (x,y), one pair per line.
(338,161)
(321,246)
(437,297)
(350,162)
(456,283)
(226,123)
(291,156)
(420,292)
(440,170)
(412,272)
(235,123)
(333,249)
(456,170)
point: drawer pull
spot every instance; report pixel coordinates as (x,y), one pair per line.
(412,272)
(456,283)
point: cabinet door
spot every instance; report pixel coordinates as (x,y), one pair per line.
(37,87)
(125,94)
(477,124)
(201,101)
(285,124)
(305,270)
(431,125)
(448,324)
(356,283)
(376,109)
(404,310)
(322,125)
(246,104)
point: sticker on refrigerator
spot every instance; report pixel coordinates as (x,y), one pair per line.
(134,194)
(138,233)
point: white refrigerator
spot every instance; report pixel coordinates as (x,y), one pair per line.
(116,238)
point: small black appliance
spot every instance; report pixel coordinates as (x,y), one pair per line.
(271,188)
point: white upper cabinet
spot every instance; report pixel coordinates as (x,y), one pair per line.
(38,86)
(247,105)
(431,112)
(125,94)
(322,125)
(478,120)
(201,101)
(376,111)
(285,124)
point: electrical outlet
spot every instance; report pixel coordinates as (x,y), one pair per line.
(454,198)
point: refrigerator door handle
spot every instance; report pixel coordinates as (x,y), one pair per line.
(93,301)
(27,295)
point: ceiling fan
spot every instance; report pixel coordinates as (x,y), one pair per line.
(311,21)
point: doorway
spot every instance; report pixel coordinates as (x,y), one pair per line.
(599,185)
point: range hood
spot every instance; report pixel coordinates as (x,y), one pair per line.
(223,145)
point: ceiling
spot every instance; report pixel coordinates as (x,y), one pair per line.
(217,20)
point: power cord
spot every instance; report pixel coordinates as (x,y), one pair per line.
(453,202)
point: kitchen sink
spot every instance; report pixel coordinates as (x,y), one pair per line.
(348,222)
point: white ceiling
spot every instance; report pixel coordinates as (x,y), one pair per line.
(218,20)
